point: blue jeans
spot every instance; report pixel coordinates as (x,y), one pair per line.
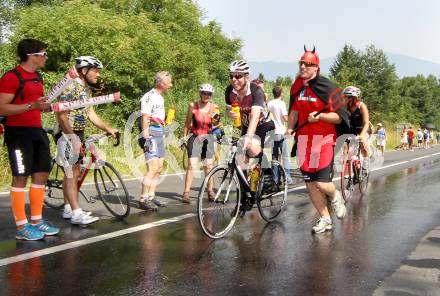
(280,147)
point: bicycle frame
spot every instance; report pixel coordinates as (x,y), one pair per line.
(89,147)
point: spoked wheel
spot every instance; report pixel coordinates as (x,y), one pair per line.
(54,197)
(347,179)
(111,190)
(218,202)
(272,192)
(364,175)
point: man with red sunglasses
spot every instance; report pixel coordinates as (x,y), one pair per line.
(309,94)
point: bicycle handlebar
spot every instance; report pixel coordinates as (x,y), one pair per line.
(93,139)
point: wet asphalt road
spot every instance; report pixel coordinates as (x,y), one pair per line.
(282,258)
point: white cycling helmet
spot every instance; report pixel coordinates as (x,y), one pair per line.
(87,62)
(239,66)
(352,91)
(206,87)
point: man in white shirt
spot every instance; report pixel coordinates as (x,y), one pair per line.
(279,114)
(152,139)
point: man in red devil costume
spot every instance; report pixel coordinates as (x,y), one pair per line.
(316,136)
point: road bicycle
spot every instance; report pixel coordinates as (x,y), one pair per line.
(353,173)
(108,182)
(226,193)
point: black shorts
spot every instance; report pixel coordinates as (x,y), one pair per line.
(262,130)
(28,150)
(201,146)
(325,175)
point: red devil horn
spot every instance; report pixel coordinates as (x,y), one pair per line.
(305,49)
(313,51)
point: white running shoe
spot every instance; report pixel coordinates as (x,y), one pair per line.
(338,205)
(68,215)
(83,219)
(322,225)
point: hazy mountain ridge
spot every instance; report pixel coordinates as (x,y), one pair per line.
(405,66)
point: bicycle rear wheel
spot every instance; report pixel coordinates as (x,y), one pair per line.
(272,193)
(112,191)
(218,214)
(54,196)
(347,179)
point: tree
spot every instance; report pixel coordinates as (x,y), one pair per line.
(134,40)
(373,74)
(261,77)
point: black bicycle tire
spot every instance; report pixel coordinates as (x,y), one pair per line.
(202,195)
(347,162)
(364,180)
(125,198)
(54,183)
(284,195)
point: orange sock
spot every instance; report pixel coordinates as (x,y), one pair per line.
(17,205)
(36,198)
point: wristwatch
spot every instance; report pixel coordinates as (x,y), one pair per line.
(29,106)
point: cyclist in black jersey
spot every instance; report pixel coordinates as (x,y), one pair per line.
(359,120)
(255,119)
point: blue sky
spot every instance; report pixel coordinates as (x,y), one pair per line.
(277,30)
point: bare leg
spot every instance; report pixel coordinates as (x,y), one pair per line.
(192,163)
(318,199)
(70,188)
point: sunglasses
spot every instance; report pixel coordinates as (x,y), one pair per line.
(204,93)
(236,76)
(41,54)
(306,64)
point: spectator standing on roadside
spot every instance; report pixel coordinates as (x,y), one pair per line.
(419,138)
(426,138)
(410,138)
(404,139)
(381,138)
(279,114)
(21,101)
(152,140)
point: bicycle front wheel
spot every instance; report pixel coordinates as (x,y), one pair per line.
(112,191)
(218,202)
(270,201)
(364,175)
(347,179)
(54,196)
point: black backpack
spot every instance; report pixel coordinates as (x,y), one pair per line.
(19,91)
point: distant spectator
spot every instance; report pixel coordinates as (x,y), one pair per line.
(411,138)
(381,138)
(404,139)
(279,112)
(419,138)
(426,138)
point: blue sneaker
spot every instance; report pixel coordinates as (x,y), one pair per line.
(29,233)
(46,229)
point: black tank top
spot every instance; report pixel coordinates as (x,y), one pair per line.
(356,122)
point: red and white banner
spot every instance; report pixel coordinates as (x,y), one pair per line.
(71,105)
(60,86)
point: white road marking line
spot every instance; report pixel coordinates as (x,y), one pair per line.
(391,165)
(426,156)
(91,240)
